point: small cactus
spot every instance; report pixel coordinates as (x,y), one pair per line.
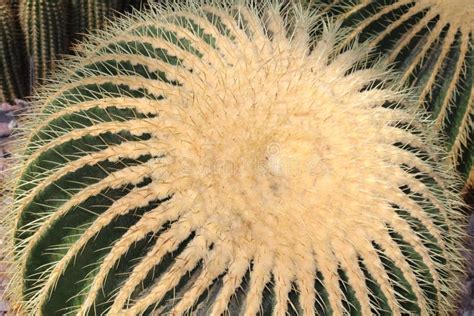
(12,61)
(44,28)
(216,158)
(431,42)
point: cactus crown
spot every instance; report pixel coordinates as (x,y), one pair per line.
(218,158)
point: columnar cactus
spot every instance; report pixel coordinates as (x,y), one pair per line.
(216,158)
(87,15)
(14,5)
(44,27)
(432,43)
(12,78)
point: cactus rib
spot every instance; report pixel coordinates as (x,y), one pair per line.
(11,56)
(431,42)
(90,15)
(43,26)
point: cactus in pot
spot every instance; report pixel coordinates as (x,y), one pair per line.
(216,158)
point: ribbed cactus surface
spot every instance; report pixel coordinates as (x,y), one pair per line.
(89,15)
(215,158)
(432,43)
(12,70)
(43,23)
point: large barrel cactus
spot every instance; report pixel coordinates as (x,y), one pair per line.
(431,42)
(216,158)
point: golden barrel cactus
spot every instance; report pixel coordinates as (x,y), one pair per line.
(216,158)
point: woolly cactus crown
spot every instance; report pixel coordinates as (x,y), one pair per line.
(217,158)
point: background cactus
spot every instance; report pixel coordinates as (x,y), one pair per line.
(217,158)
(43,24)
(91,15)
(12,70)
(431,42)
(47,38)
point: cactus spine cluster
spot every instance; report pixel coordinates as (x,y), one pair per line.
(216,158)
(432,43)
(44,27)
(12,70)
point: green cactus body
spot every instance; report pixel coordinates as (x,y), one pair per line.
(89,15)
(14,5)
(136,4)
(215,158)
(431,42)
(12,78)
(44,27)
